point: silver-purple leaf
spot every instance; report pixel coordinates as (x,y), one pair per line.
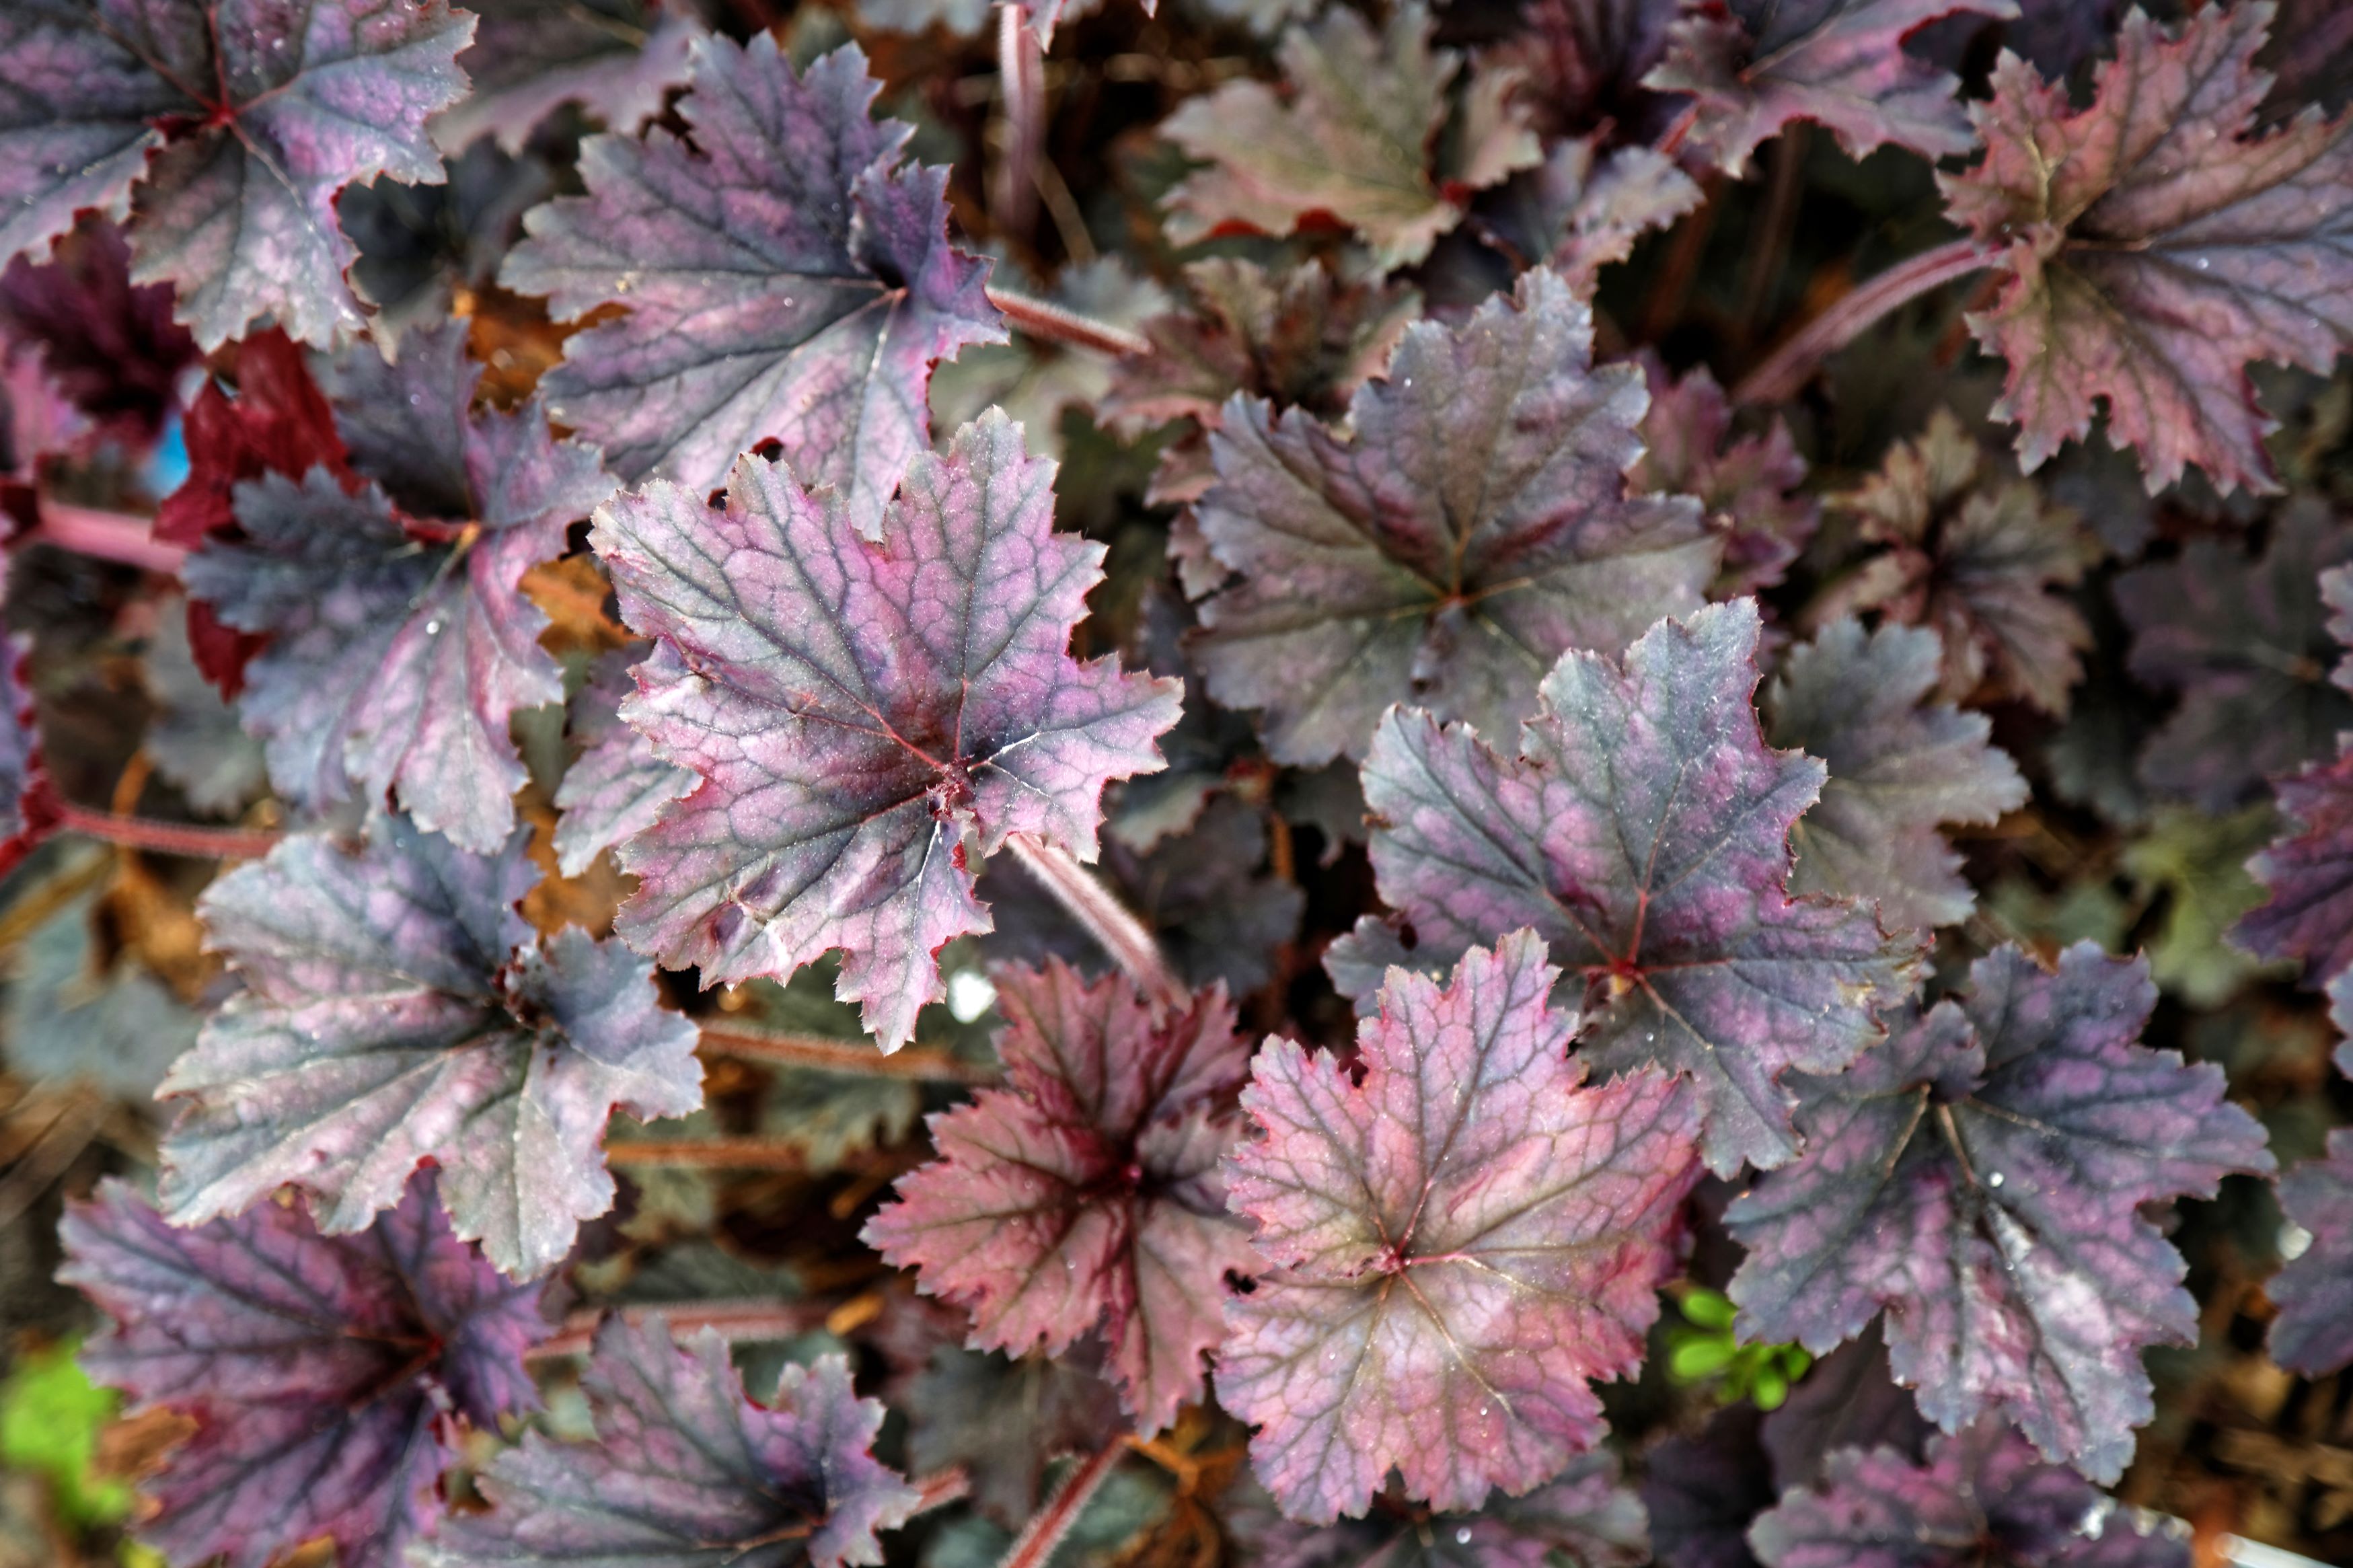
(321,1371)
(401,642)
(1473,525)
(686,1472)
(1899,766)
(1980,1497)
(237,121)
(1458,1243)
(1754,66)
(1644,831)
(397,1010)
(786,278)
(1980,1178)
(2307,874)
(617,786)
(614,59)
(868,719)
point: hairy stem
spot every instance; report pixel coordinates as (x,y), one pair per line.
(941,1488)
(1054,324)
(1049,1524)
(707,1153)
(188,839)
(1786,368)
(1021,82)
(107,535)
(1108,921)
(737,1321)
(923,1063)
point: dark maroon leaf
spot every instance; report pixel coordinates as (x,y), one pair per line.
(279,423)
(1899,766)
(1980,1178)
(1752,66)
(398,1010)
(869,720)
(110,347)
(28,803)
(2155,247)
(402,645)
(1473,524)
(614,59)
(1357,138)
(1980,557)
(1981,1497)
(1583,61)
(1703,1489)
(2308,874)
(1747,484)
(238,120)
(1848,1399)
(1583,208)
(1457,1244)
(1644,831)
(2246,644)
(686,1472)
(1087,1196)
(324,1374)
(785,275)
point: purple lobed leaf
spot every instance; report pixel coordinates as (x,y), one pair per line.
(1087,1195)
(321,1371)
(401,641)
(1979,1497)
(1585,206)
(868,719)
(1456,1244)
(1644,831)
(786,278)
(1899,766)
(1702,1488)
(1585,1518)
(2307,874)
(1747,484)
(686,1472)
(2313,1333)
(1979,1179)
(2155,246)
(614,59)
(237,121)
(617,786)
(1473,525)
(399,1011)
(1752,66)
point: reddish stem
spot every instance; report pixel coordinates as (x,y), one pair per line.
(1104,917)
(1021,81)
(709,1153)
(735,1320)
(1054,324)
(1786,368)
(1049,1524)
(108,535)
(195,842)
(941,1488)
(919,1062)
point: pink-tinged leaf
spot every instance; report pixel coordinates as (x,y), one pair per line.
(1472,524)
(868,719)
(786,278)
(1086,1197)
(1356,138)
(1900,766)
(1979,1179)
(2155,246)
(29,803)
(321,1373)
(1644,831)
(686,1472)
(1978,554)
(1457,1242)
(110,347)
(397,1010)
(614,59)
(2247,644)
(2313,1333)
(1584,207)
(1981,1497)
(239,121)
(1752,66)
(2308,874)
(1588,1518)
(401,641)
(616,788)
(1747,484)
(1298,339)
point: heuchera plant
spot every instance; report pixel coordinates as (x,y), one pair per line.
(1293,783)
